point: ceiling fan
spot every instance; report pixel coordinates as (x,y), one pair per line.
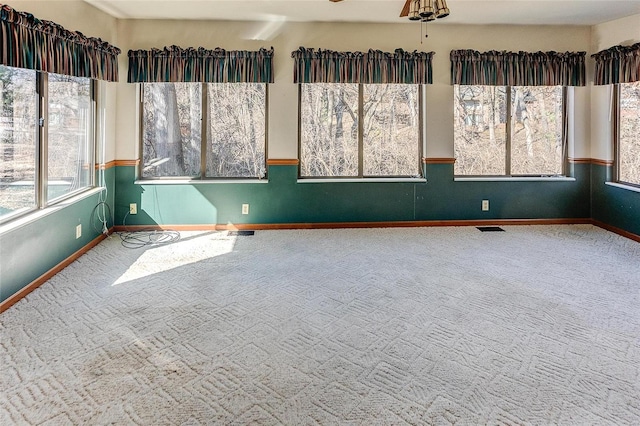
(422,10)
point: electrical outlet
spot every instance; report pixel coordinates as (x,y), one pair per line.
(133,208)
(245,209)
(485,205)
(78,231)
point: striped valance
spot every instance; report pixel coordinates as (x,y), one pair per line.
(28,42)
(500,68)
(374,66)
(175,64)
(618,64)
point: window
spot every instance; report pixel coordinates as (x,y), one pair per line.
(360,130)
(524,136)
(196,130)
(70,156)
(47,154)
(628,146)
(18,140)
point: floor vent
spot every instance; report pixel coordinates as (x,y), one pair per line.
(490,229)
(240,233)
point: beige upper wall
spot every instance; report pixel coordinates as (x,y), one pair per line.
(625,31)
(283,112)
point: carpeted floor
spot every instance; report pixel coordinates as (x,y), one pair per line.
(535,325)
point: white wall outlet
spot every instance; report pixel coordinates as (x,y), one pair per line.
(485,205)
(133,208)
(245,209)
(78,231)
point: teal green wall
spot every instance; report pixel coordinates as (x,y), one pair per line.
(30,250)
(614,206)
(283,200)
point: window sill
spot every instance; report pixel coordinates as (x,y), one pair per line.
(515,179)
(35,215)
(196,181)
(368,180)
(623,186)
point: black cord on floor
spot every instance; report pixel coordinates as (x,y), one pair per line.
(142,238)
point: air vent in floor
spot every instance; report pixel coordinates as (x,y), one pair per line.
(240,233)
(490,229)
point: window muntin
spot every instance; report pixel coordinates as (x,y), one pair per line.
(521,137)
(18,141)
(628,148)
(233,122)
(359,130)
(70,135)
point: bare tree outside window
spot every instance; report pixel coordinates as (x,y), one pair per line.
(629,144)
(482,130)
(480,117)
(330,142)
(18,140)
(391,127)
(70,142)
(234,125)
(536,141)
(171,132)
(329,129)
(236,137)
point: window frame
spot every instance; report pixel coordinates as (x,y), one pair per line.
(616,133)
(361,175)
(204,126)
(41,178)
(508,138)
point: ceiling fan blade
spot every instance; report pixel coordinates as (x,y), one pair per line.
(405,9)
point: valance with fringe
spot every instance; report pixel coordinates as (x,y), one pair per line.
(500,68)
(28,42)
(175,64)
(372,67)
(618,64)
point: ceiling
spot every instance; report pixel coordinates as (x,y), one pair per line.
(520,12)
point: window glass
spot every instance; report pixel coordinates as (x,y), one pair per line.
(236,136)
(480,118)
(391,127)
(234,126)
(329,129)
(522,138)
(629,145)
(330,141)
(536,138)
(171,129)
(70,139)
(18,140)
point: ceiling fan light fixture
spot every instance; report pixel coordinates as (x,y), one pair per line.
(429,18)
(442,11)
(414,10)
(426,8)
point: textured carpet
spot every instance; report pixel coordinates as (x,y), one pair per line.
(535,325)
